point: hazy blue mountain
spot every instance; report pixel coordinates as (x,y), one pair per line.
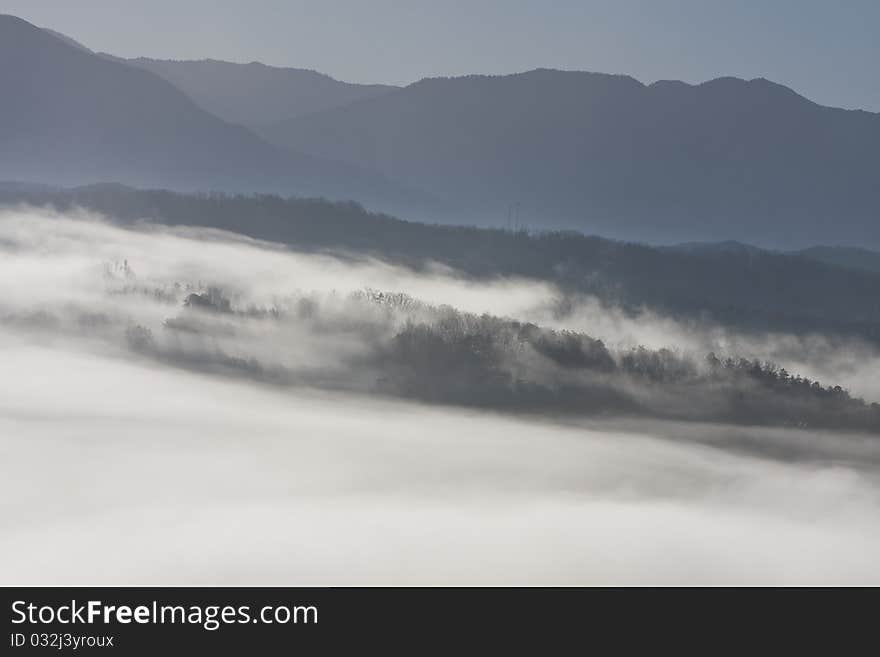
(668,162)
(851,257)
(68,116)
(729,247)
(839,256)
(254,94)
(66,39)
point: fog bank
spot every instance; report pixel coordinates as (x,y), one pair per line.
(121,466)
(119,472)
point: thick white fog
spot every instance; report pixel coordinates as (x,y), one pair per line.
(120,468)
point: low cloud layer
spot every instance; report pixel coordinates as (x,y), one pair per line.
(121,467)
(119,472)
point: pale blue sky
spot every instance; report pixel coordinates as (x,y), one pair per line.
(827,51)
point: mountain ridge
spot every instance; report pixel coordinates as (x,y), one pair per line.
(253,93)
(72,117)
(727,159)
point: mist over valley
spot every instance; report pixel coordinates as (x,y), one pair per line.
(261,325)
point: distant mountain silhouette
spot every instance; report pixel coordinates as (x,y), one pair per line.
(68,116)
(66,39)
(668,162)
(850,257)
(839,256)
(254,94)
(728,247)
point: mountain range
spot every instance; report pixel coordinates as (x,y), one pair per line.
(725,160)
(254,94)
(668,162)
(69,116)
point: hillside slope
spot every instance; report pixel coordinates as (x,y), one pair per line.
(253,94)
(68,116)
(669,162)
